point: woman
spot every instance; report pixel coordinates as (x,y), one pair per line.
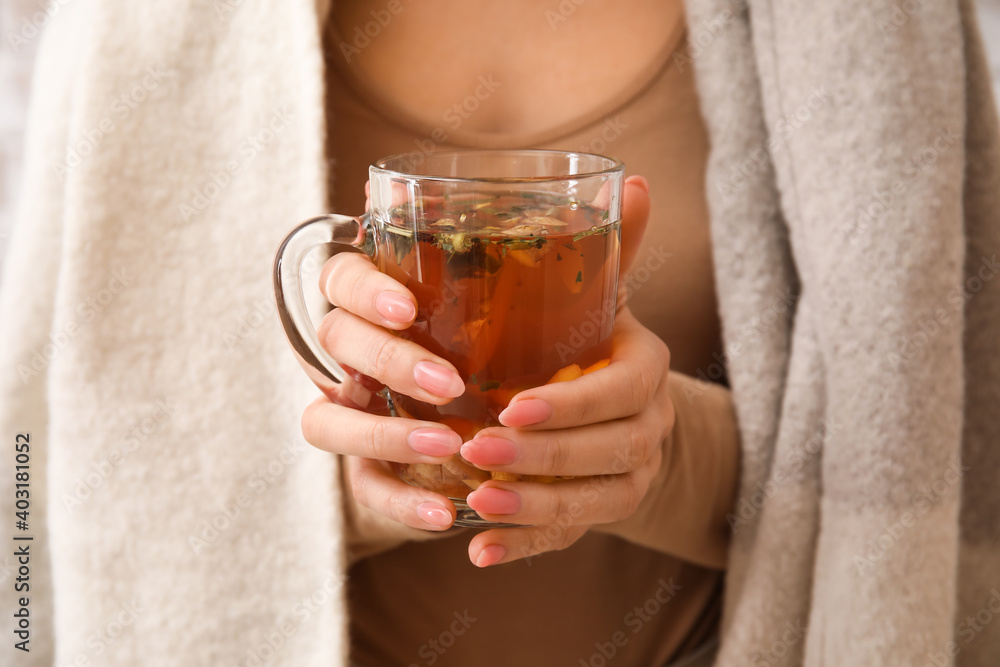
(671,499)
(850,183)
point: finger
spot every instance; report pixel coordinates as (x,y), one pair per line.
(349,280)
(582,501)
(400,364)
(621,389)
(608,448)
(369,383)
(352,394)
(341,430)
(635,216)
(378,488)
(504,545)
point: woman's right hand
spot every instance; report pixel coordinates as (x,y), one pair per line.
(353,421)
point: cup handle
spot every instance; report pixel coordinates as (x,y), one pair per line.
(334,233)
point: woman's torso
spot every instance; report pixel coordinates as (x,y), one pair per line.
(602,77)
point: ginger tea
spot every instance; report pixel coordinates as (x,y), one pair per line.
(516,289)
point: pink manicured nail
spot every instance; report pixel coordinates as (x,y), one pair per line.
(395,307)
(640,181)
(489,451)
(438,380)
(434,441)
(434,514)
(494,501)
(526,413)
(491,555)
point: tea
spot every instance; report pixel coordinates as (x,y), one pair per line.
(516,289)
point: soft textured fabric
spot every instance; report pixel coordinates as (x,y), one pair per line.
(859,407)
(135,316)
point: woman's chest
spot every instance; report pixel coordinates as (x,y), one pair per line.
(529,65)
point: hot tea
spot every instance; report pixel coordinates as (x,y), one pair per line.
(516,289)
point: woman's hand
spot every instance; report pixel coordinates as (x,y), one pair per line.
(353,421)
(608,429)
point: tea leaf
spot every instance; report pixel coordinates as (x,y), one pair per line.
(487,386)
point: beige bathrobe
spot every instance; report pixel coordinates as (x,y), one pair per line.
(177,516)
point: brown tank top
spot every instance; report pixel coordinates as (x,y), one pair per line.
(604,599)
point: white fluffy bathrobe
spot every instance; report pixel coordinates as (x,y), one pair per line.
(179,519)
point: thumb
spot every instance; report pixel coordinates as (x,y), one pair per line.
(635,215)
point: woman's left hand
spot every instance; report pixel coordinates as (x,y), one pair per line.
(607,429)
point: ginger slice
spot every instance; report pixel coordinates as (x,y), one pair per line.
(566,374)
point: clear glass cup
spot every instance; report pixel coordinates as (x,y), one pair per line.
(513,258)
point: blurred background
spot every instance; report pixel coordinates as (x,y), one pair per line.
(22,22)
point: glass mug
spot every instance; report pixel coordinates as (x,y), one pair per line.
(512,256)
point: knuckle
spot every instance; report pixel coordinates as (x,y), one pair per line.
(360,485)
(642,385)
(396,507)
(635,445)
(589,404)
(557,507)
(632,495)
(554,456)
(376,437)
(383,353)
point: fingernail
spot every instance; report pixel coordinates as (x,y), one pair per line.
(640,181)
(491,555)
(526,413)
(490,451)
(434,441)
(438,380)
(395,307)
(494,501)
(434,514)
